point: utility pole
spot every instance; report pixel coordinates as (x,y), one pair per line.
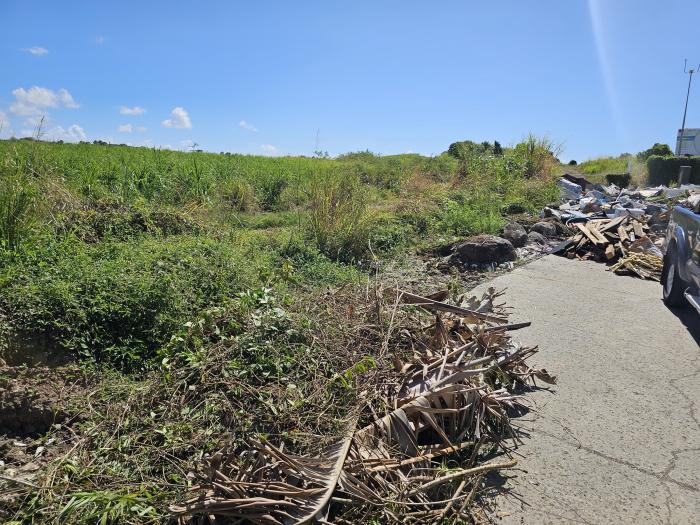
(689,72)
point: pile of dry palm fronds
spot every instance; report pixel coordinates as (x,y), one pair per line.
(420,460)
(646,265)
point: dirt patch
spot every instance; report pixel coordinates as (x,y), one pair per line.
(33,399)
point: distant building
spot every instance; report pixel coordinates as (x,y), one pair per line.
(689,144)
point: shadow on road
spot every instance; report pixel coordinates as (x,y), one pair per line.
(690,319)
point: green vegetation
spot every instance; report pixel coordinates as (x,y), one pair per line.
(606,165)
(190,287)
(662,150)
(665,170)
(125,243)
(601,170)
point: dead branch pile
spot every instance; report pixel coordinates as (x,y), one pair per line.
(623,240)
(416,461)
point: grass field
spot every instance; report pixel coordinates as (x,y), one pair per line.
(168,272)
(108,248)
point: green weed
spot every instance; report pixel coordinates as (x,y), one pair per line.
(338,221)
(16,206)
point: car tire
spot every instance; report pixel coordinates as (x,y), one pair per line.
(672,284)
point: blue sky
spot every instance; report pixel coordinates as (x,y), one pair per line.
(281,77)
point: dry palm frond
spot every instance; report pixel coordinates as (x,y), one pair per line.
(274,487)
(646,265)
(445,403)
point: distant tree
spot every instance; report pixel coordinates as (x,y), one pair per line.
(465,149)
(363,156)
(657,149)
(497,149)
(572,162)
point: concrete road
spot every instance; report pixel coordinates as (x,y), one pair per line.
(619,440)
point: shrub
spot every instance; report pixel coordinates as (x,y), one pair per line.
(466,149)
(442,168)
(338,221)
(239,194)
(662,150)
(472,215)
(269,188)
(119,302)
(538,155)
(664,170)
(112,219)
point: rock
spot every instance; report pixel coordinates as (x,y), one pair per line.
(537,238)
(484,249)
(544,228)
(515,233)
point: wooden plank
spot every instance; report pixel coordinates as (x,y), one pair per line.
(638,231)
(610,252)
(587,233)
(594,231)
(612,223)
(622,233)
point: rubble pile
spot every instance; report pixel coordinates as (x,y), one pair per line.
(622,227)
(622,240)
(447,397)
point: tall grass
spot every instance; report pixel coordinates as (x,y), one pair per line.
(338,221)
(166,177)
(605,165)
(16,206)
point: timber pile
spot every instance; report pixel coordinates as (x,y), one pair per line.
(447,401)
(625,242)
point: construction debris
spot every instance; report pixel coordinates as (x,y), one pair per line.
(609,240)
(623,228)
(417,456)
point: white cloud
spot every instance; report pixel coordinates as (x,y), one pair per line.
(269,149)
(125,128)
(99,40)
(180,119)
(34,121)
(136,110)
(67,99)
(74,133)
(36,100)
(77,132)
(247,126)
(36,50)
(142,129)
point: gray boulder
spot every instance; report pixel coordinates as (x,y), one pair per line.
(536,238)
(544,228)
(515,233)
(484,249)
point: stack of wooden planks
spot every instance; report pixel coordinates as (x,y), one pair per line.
(613,240)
